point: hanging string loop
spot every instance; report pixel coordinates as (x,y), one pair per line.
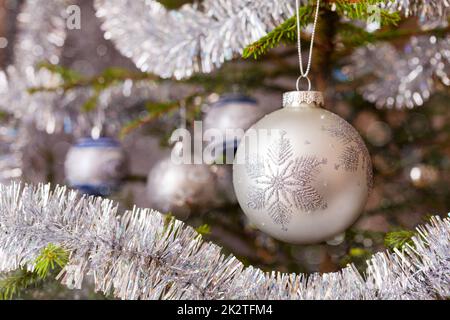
(304,73)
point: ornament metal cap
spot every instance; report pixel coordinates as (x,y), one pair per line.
(302,99)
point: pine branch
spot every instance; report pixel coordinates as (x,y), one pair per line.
(12,284)
(286,33)
(52,259)
(72,80)
(398,239)
(353,36)
(175,4)
(203,230)
(154,111)
(362,10)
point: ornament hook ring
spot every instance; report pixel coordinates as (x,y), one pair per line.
(298,82)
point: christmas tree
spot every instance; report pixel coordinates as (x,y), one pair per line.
(100,99)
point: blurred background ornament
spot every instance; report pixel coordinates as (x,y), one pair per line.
(96,166)
(423,176)
(404,78)
(306,176)
(231,114)
(185,189)
(379,133)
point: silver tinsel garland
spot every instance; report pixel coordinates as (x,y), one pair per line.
(424,9)
(116,105)
(210,33)
(138,255)
(41,36)
(423,63)
(408,76)
(195,38)
(41,32)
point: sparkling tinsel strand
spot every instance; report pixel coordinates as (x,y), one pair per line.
(41,33)
(422,65)
(41,36)
(139,255)
(210,33)
(424,9)
(194,38)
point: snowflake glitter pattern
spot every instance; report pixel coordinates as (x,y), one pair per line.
(283,183)
(355,150)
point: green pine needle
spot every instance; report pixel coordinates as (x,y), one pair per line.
(286,32)
(397,239)
(203,230)
(67,75)
(15,282)
(52,259)
(361,11)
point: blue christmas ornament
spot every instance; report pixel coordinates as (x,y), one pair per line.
(96,166)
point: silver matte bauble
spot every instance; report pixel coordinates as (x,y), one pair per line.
(183,189)
(232,112)
(95,166)
(302,174)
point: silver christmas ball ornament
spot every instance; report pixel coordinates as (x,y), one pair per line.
(96,166)
(183,189)
(230,114)
(302,174)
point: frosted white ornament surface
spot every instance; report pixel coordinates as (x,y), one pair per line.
(232,115)
(95,164)
(308,180)
(183,189)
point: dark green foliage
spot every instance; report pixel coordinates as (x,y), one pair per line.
(51,260)
(287,32)
(203,230)
(175,4)
(397,239)
(13,283)
(284,33)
